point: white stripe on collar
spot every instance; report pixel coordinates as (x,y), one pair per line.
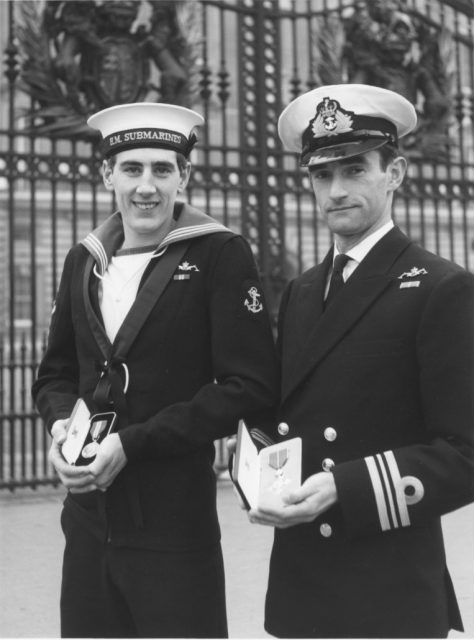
(95,246)
(192,231)
(97,249)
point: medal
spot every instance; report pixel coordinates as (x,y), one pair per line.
(90,450)
(277,460)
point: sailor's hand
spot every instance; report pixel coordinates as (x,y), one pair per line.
(59,430)
(76,479)
(301,505)
(109,461)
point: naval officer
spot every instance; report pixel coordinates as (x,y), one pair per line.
(160,318)
(377,363)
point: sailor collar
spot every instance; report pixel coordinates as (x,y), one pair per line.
(103,242)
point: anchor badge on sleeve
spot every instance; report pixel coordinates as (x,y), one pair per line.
(254,305)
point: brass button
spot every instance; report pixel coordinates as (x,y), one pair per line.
(283,429)
(325,530)
(327,464)
(330,434)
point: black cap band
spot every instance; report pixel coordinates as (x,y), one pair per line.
(362,128)
(147,137)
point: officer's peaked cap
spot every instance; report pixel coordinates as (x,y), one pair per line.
(342,120)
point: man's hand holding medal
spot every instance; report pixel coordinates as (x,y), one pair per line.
(85,453)
(268,482)
(300,505)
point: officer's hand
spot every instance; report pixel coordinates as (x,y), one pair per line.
(301,505)
(109,461)
(76,479)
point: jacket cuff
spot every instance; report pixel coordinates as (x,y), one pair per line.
(372,494)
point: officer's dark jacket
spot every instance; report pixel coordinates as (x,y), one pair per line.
(381,385)
(203,359)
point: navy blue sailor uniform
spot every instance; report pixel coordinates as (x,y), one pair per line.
(379,387)
(202,359)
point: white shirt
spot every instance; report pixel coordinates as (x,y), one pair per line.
(359,251)
(118,288)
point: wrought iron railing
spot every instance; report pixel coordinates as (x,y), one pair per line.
(251,57)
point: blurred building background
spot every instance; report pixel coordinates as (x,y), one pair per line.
(238,62)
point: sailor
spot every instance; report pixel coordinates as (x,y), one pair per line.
(155,321)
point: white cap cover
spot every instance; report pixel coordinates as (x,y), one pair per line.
(146,124)
(342,120)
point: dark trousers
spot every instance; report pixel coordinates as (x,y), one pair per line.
(125,592)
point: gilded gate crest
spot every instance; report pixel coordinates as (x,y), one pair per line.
(387,44)
(80,56)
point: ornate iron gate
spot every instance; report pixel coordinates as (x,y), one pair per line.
(238,62)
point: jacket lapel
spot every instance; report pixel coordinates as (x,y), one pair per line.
(95,323)
(327,329)
(101,245)
(147,297)
(306,307)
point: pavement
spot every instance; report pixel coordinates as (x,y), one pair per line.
(31,547)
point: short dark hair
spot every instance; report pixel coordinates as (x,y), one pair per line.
(182,161)
(387,153)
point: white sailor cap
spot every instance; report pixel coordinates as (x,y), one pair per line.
(343,120)
(146,124)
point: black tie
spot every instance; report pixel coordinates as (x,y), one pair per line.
(337,280)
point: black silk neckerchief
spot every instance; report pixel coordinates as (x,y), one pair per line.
(109,389)
(109,393)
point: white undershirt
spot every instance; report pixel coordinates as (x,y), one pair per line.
(118,289)
(359,251)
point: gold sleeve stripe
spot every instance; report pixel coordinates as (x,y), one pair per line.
(389,491)
(399,489)
(378,491)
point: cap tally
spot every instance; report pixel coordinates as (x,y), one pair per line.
(146,124)
(339,121)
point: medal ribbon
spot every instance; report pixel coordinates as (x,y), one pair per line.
(278,459)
